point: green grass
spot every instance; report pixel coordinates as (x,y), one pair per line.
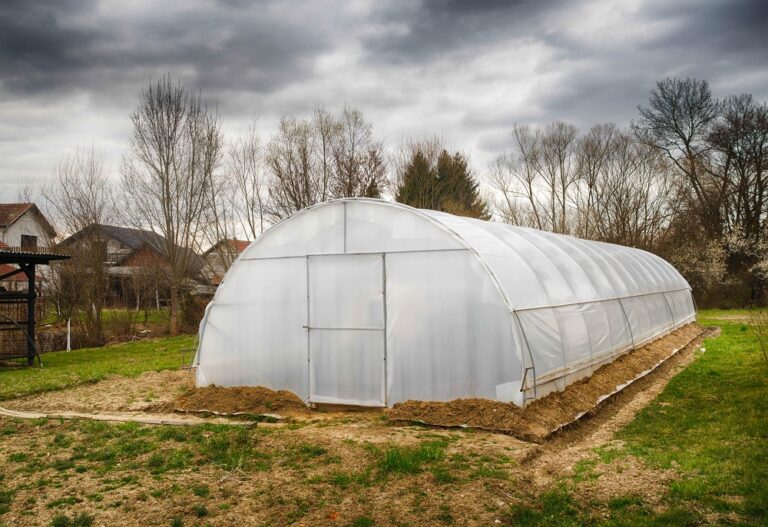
(711,424)
(154,316)
(557,508)
(410,460)
(65,369)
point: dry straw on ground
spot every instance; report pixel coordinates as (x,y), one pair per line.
(545,415)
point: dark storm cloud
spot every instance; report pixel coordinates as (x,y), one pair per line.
(468,70)
(421,30)
(723,42)
(36,49)
(57,46)
(735,27)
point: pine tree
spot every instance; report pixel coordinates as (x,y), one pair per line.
(418,186)
(457,189)
(447,186)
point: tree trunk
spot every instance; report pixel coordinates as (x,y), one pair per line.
(174,309)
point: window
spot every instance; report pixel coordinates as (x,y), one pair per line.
(28,242)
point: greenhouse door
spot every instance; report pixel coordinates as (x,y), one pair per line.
(345,328)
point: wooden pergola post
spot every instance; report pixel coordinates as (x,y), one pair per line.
(29,270)
(27,261)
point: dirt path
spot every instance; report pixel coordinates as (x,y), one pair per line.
(561,454)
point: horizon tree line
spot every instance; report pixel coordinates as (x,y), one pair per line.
(685,180)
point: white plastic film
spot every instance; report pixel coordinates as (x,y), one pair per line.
(317,230)
(649,316)
(346,291)
(393,229)
(347,367)
(443,286)
(253,333)
(448,333)
(346,324)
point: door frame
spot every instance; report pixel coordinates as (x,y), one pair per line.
(309,327)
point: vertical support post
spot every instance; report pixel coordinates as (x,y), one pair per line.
(669,308)
(626,319)
(344,204)
(384,300)
(309,337)
(29,270)
(530,356)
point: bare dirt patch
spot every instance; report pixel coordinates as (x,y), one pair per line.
(113,394)
(544,416)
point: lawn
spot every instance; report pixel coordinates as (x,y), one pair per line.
(154,316)
(710,424)
(708,428)
(63,369)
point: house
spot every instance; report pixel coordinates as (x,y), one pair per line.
(23,225)
(129,255)
(220,257)
(13,282)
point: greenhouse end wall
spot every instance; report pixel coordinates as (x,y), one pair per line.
(370,303)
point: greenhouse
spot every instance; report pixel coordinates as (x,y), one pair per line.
(367,302)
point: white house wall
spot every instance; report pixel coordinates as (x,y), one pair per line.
(29,225)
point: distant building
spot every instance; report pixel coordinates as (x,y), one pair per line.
(220,257)
(129,253)
(14,282)
(23,225)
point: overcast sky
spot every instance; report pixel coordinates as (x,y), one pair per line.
(70,70)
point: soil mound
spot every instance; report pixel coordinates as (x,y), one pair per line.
(241,400)
(542,417)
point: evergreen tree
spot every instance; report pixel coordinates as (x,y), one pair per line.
(446,185)
(418,185)
(457,189)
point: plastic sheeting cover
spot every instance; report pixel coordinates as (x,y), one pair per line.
(367,302)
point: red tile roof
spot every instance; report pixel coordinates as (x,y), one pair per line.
(10,212)
(239,245)
(6,268)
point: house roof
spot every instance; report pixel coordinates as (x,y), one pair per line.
(7,268)
(11,212)
(134,239)
(237,245)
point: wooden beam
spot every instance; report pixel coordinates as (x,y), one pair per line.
(29,269)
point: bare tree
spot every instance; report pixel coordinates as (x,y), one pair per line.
(79,199)
(677,121)
(174,151)
(515,178)
(537,179)
(593,155)
(601,185)
(295,182)
(628,196)
(358,163)
(313,160)
(246,165)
